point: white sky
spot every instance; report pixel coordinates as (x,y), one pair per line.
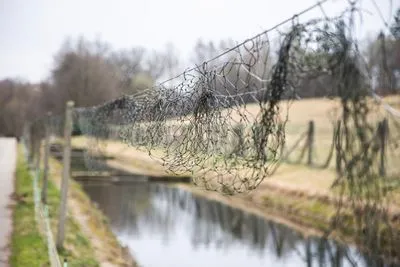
(32,31)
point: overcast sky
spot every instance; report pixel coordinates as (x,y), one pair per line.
(33,30)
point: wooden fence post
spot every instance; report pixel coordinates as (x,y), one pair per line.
(46,159)
(65,174)
(27,139)
(382,131)
(25,136)
(37,155)
(31,145)
(338,152)
(310,142)
(35,147)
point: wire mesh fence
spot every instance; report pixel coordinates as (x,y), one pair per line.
(42,216)
(225,122)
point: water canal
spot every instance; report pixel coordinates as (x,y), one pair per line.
(168,226)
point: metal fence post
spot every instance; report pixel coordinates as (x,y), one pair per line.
(65,174)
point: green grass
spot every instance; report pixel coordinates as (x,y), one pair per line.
(28,248)
(97,223)
(77,248)
(309,212)
(319,215)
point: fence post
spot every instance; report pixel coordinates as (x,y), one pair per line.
(27,139)
(65,174)
(338,151)
(46,159)
(31,144)
(310,142)
(382,131)
(37,155)
(24,137)
(34,149)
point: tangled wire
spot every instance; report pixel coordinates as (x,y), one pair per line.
(224,122)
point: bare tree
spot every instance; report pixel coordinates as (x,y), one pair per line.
(155,64)
(19,104)
(172,61)
(127,64)
(203,51)
(83,73)
(383,56)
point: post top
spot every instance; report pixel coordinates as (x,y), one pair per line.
(70,104)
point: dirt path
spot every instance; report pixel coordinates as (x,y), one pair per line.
(7,172)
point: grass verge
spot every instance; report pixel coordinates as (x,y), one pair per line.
(94,225)
(28,248)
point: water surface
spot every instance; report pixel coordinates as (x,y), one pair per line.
(169,227)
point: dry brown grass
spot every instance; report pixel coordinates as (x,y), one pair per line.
(322,111)
(294,176)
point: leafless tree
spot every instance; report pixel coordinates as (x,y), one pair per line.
(127,64)
(83,73)
(19,104)
(383,55)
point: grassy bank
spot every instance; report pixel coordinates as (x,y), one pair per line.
(378,239)
(93,224)
(29,248)
(313,217)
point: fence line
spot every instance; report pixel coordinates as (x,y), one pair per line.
(42,212)
(309,147)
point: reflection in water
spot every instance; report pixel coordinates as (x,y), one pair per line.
(167,226)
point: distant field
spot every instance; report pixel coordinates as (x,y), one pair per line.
(322,111)
(296,194)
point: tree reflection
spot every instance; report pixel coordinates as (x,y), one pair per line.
(160,210)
